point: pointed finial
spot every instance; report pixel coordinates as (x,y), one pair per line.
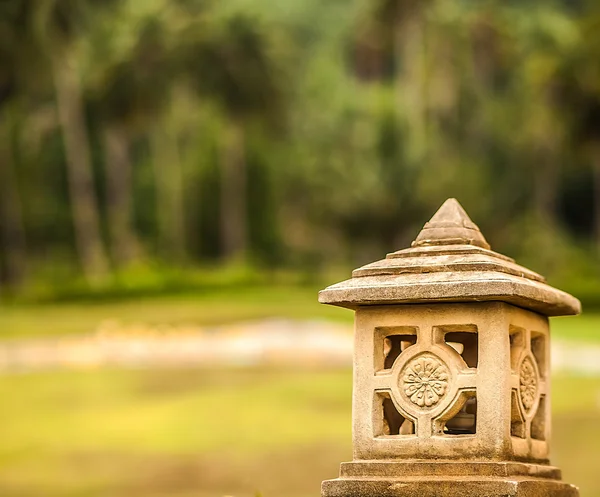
(451,225)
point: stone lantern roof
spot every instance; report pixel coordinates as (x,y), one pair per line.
(450,261)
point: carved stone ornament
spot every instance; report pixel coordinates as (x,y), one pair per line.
(434,419)
(425,381)
(528,383)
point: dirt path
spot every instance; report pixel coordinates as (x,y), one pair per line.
(265,342)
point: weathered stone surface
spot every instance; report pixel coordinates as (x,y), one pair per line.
(493,381)
(451,225)
(448,487)
(451,370)
(450,261)
(413,468)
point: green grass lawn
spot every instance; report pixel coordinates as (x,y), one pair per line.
(184,433)
(211,308)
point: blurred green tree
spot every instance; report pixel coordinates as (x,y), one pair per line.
(130,93)
(14,48)
(232,64)
(301,134)
(58,25)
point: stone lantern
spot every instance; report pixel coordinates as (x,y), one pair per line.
(451,370)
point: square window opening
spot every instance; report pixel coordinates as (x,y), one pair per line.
(517,424)
(394,345)
(390,342)
(466,343)
(393,423)
(538,348)
(465,421)
(538,424)
(517,344)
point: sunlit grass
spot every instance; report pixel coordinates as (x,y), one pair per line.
(179,433)
(227,432)
(585,327)
(183,411)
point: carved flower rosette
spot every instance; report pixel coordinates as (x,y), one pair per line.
(528,383)
(425,381)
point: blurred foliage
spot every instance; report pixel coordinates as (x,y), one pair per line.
(145,139)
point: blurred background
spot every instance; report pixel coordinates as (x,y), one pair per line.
(178,178)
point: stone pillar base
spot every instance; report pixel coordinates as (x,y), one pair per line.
(447,479)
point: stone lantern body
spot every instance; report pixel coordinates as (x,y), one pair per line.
(451,370)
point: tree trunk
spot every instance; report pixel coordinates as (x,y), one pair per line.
(596,186)
(410,76)
(546,177)
(12,228)
(119,195)
(169,192)
(234,225)
(84,203)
